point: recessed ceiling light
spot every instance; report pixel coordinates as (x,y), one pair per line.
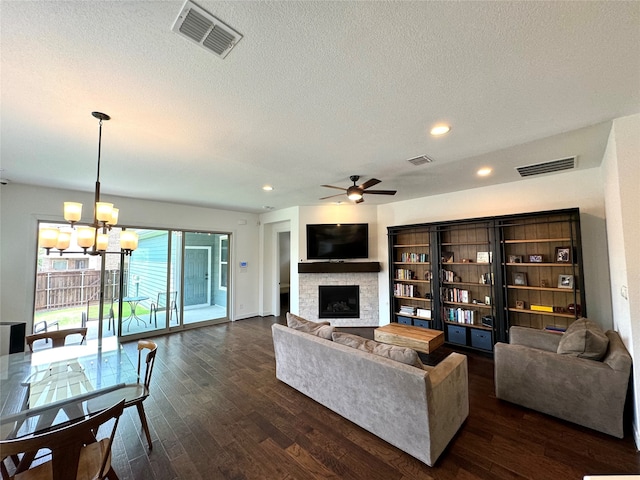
(440,130)
(483,172)
(267,188)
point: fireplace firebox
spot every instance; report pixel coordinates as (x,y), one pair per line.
(339,301)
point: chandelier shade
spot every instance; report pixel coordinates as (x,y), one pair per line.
(105,216)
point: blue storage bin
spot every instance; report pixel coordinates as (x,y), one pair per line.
(481,339)
(422,323)
(404,320)
(456,334)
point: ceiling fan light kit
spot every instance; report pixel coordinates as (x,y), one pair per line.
(356,192)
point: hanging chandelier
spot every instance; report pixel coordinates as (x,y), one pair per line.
(94,238)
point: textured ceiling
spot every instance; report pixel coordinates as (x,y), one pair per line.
(313,93)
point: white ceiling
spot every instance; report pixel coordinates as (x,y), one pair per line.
(313,93)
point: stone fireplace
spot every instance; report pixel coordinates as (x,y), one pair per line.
(339,301)
(367,283)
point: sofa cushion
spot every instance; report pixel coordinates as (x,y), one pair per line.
(321,329)
(399,354)
(584,339)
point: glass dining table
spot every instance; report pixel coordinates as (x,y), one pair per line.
(50,388)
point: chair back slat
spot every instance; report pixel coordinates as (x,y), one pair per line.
(149,360)
(66,444)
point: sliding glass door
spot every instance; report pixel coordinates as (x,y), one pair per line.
(174,279)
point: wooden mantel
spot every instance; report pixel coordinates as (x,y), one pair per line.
(338,267)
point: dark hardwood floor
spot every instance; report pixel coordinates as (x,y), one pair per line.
(216,411)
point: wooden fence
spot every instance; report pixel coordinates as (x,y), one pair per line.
(66,289)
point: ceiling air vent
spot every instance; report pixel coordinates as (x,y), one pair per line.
(547,167)
(421,160)
(199,26)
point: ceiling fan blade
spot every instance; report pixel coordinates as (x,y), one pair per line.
(337,188)
(370,183)
(381,192)
(331,196)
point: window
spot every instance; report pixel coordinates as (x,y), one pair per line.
(224,262)
(59,265)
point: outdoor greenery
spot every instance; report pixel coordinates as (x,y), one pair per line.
(72,317)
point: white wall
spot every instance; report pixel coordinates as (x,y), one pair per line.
(271,224)
(582,189)
(621,173)
(21,207)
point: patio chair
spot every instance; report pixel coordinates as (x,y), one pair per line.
(44,326)
(58,337)
(161,304)
(75,452)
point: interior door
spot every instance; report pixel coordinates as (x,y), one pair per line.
(197,276)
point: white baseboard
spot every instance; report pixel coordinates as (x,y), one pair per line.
(245,315)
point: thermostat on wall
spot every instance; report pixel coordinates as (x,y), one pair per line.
(243,264)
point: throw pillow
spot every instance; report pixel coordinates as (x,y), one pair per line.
(584,339)
(393,352)
(320,329)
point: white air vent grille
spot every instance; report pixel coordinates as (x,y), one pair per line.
(199,26)
(548,167)
(421,160)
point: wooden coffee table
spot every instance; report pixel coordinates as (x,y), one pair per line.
(421,339)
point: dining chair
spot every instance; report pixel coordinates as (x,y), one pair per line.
(134,394)
(75,451)
(161,304)
(57,337)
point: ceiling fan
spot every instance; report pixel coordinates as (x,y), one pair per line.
(356,192)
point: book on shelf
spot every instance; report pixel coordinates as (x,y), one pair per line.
(554,329)
(424,313)
(414,257)
(542,308)
(404,274)
(457,295)
(459,315)
(407,310)
(405,290)
(447,275)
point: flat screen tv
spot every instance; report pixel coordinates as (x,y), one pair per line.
(340,241)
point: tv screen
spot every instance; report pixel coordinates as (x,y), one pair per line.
(338,241)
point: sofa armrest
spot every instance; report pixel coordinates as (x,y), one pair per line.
(534,338)
(617,356)
(448,402)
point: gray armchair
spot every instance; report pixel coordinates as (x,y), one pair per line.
(592,393)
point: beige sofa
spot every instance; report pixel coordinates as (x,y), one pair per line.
(417,410)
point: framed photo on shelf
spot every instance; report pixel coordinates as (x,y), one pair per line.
(520,304)
(482,257)
(515,258)
(447,257)
(535,258)
(565,281)
(563,254)
(520,278)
